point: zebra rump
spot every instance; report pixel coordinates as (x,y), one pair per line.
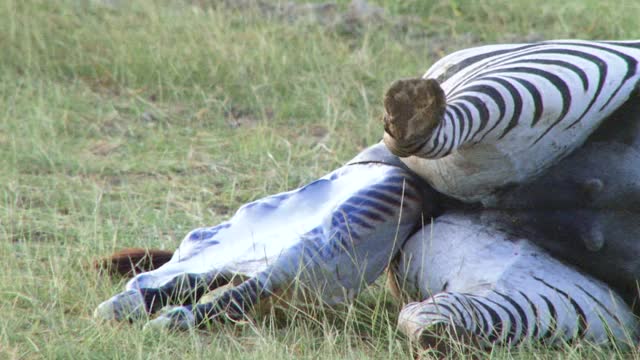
(511,111)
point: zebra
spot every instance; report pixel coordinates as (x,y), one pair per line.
(561,302)
(566,240)
(541,273)
(499,115)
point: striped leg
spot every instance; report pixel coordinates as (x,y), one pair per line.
(142,297)
(232,304)
(484,285)
(505,318)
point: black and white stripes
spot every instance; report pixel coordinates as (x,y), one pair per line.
(522,316)
(528,105)
(334,235)
(473,276)
(580,74)
(511,112)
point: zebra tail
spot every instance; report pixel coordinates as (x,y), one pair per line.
(130,261)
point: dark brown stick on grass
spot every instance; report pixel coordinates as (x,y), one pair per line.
(413,108)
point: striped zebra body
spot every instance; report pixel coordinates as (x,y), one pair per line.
(512,111)
(473,276)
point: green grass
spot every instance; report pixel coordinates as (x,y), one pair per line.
(129,125)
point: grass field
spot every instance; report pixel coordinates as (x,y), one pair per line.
(129,123)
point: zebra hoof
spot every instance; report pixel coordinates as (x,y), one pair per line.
(446,338)
(430,330)
(178,318)
(413,108)
(128,305)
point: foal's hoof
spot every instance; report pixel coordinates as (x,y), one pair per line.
(430,330)
(447,339)
(178,318)
(128,305)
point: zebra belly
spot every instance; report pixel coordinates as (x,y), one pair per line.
(585,209)
(603,243)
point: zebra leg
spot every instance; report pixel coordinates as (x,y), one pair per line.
(484,284)
(147,293)
(231,305)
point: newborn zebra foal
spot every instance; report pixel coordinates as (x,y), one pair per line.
(503,127)
(333,236)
